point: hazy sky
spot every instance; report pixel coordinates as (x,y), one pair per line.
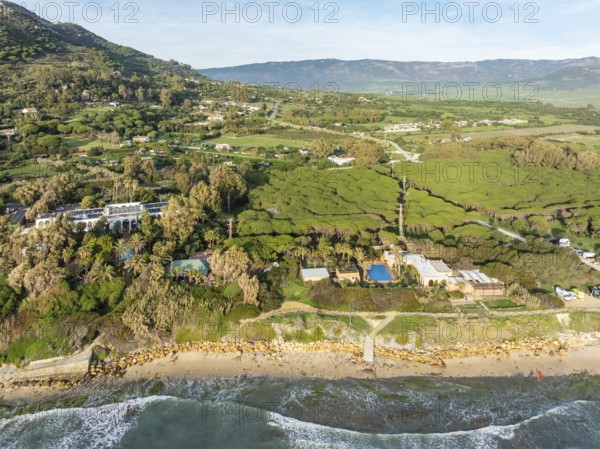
(200,34)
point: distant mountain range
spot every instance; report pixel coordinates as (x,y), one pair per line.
(379,76)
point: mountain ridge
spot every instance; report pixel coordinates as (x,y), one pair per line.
(370,75)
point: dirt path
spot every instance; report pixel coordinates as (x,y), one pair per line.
(291,307)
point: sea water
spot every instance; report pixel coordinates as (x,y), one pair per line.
(263,413)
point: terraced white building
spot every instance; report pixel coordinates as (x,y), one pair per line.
(127,215)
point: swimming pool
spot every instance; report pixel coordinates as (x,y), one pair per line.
(380,273)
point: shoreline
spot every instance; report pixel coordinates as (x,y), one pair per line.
(197,366)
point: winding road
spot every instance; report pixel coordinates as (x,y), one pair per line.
(410,157)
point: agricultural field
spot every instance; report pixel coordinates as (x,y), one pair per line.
(302,201)
(491,184)
(425,212)
(81,144)
(266,141)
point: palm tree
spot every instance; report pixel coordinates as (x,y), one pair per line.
(136,243)
(157,272)
(160,254)
(90,277)
(120,249)
(107,273)
(194,276)
(176,272)
(361,258)
(301,252)
(212,236)
(343,250)
(85,254)
(136,264)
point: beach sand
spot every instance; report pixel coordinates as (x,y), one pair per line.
(340,366)
(198,366)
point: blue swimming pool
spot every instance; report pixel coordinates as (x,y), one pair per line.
(380,273)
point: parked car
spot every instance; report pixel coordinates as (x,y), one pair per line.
(588,255)
(565,294)
(595,292)
(579,252)
(580,295)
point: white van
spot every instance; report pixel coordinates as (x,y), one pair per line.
(565,294)
(564,243)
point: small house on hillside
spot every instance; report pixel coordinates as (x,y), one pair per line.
(223,147)
(29,111)
(315,274)
(340,161)
(141,139)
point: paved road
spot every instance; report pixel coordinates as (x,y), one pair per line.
(500,230)
(590,263)
(275,111)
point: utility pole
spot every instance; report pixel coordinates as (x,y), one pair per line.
(401,221)
(230,227)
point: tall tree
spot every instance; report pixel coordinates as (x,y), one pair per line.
(228,183)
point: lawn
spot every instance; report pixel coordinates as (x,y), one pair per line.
(81,144)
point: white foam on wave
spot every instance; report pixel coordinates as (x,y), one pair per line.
(99,427)
(308,435)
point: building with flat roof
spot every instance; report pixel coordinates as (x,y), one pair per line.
(477,285)
(127,215)
(339,161)
(315,274)
(349,274)
(429,272)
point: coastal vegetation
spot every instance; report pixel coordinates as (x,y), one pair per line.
(259,198)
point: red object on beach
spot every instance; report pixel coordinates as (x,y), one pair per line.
(539,374)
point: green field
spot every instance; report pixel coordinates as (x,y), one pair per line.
(494,186)
(304,201)
(266,141)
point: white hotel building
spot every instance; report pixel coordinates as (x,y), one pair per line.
(128,215)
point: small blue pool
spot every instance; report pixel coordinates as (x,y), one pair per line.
(380,273)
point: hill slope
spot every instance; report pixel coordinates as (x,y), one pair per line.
(42,61)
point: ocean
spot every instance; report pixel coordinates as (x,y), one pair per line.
(264,413)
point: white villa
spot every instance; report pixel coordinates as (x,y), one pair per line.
(339,161)
(128,215)
(430,271)
(223,147)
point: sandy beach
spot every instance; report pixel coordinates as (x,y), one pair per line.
(339,366)
(198,366)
